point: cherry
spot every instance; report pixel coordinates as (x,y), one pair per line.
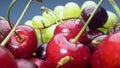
(99,19)
(7,59)
(62,52)
(40,63)
(1,36)
(72,28)
(108,51)
(94,33)
(24,63)
(23,48)
(5,27)
(41,51)
(96,42)
(60,47)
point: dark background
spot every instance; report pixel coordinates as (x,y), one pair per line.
(35,7)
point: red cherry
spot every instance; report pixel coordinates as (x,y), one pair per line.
(41,51)
(24,63)
(7,60)
(40,63)
(1,38)
(60,47)
(5,27)
(98,20)
(23,48)
(72,28)
(109,52)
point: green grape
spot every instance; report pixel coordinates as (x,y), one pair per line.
(71,9)
(28,22)
(59,10)
(86,4)
(39,20)
(50,32)
(50,16)
(112,18)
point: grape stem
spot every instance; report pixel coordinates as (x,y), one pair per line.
(17,23)
(55,23)
(86,24)
(8,16)
(112,2)
(48,11)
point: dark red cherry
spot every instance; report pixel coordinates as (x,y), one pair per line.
(41,51)
(1,38)
(24,63)
(96,42)
(98,20)
(72,28)
(94,33)
(7,59)
(5,27)
(23,48)
(40,63)
(61,49)
(108,52)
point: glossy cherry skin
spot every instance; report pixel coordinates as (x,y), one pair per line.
(24,63)
(41,51)
(108,51)
(1,38)
(60,47)
(23,48)
(7,59)
(40,63)
(5,27)
(98,20)
(72,28)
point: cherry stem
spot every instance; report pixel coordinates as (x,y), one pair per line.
(17,23)
(86,24)
(112,2)
(2,33)
(9,21)
(64,60)
(48,11)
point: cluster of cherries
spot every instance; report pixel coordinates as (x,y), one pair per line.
(74,44)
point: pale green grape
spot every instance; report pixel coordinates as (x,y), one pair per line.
(28,22)
(50,16)
(71,9)
(59,11)
(39,20)
(112,18)
(86,4)
(50,32)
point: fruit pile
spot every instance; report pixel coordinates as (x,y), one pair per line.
(69,36)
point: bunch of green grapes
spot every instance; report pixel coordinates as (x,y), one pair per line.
(50,18)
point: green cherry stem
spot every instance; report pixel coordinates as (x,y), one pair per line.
(2,33)
(112,2)
(86,24)
(8,16)
(17,23)
(9,10)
